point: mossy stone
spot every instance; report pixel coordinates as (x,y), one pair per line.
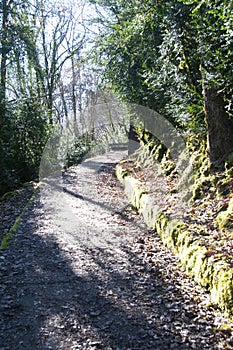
(224,219)
(214,275)
(149,210)
(133,190)
(121,173)
(222,288)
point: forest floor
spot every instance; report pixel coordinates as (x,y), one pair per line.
(82,271)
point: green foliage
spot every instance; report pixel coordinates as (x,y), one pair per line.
(123,52)
(23,138)
(159,54)
(224,219)
(30,68)
(79,149)
(32,133)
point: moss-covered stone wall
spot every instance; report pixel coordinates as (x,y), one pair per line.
(212,274)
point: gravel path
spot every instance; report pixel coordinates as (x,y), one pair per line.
(83,272)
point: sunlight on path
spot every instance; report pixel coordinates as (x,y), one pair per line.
(77,206)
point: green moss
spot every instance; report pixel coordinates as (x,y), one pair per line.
(224,219)
(174,229)
(222,288)
(173,234)
(6,239)
(206,178)
(229,172)
(151,152)
(190,258)
(184,241)
(223,185)
(158,152)
(121,173)
(214,275)
(6,196)
(207,273)
(167,166)
(201,186)
(202,167)
(199,269)
(161,225)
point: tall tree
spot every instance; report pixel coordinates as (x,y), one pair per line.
(56,24)
(33,53)
(214,20)
(176,58)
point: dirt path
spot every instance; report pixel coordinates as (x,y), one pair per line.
(83,272)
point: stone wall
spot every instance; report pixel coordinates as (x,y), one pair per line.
(211,273)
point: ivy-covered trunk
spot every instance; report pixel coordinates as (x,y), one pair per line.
(219,124)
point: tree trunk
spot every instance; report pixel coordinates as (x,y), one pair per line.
(220,126)
(4,52)
(74,102)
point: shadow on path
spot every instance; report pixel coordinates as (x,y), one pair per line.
(59,293)
(96,299)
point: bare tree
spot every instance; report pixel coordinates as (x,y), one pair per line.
(56,25)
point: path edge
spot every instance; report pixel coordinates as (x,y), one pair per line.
(7,237)
(213,275)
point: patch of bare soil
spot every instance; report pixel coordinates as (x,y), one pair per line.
(84,272)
